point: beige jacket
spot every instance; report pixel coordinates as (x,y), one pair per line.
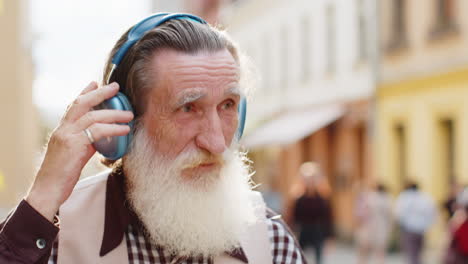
(82,229)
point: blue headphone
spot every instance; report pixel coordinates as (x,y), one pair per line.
(115,147)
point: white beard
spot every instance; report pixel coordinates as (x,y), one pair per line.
(203,216)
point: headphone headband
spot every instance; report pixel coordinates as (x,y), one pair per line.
(147,24)
(137,32)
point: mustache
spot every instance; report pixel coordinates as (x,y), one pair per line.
(195,158)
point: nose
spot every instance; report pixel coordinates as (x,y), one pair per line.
(211,138)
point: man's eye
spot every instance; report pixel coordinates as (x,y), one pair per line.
(187,108)
(227,105)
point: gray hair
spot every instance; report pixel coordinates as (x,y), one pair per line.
(177,34)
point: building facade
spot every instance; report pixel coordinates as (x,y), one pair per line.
(314,99)
(422,114)
(18,119)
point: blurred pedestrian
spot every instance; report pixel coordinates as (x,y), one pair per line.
(415,212)
(312,210)
(450,205)
(373,216)
(457,252)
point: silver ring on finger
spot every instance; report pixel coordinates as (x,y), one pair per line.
(89,135)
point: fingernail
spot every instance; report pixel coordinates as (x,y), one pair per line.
(113,85)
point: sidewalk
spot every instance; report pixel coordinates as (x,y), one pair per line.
(347,255)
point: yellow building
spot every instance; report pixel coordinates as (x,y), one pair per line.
(423,131)
(19,130)
(422,110)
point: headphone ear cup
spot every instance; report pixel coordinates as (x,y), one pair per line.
(242,112)
(114,148)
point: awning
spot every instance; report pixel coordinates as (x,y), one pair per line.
(292,127)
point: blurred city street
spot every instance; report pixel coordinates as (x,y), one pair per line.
(342,253)
(356,128)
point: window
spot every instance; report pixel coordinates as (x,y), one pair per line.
(399,21)
(400,135)
(362,30)
(444,18)
(448,151)
(445,12)
(398,26)
(331,48)
(305,49)
(266,66)
(284,62)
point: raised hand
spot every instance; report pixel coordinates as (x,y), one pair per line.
(70,147)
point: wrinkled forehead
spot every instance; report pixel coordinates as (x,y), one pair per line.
(214,71)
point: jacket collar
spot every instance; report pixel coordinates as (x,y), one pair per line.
(118,216)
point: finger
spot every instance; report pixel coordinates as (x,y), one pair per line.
(103,116)
(91,86)
(99,131)
(85,102)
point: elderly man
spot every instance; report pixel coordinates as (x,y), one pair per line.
(182,192)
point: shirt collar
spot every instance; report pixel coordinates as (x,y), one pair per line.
(118,216)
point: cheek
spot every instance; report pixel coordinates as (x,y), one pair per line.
(165,133)
(152,121)
(151,128)
(230,122)
(175,134)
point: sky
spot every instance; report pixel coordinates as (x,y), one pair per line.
(71,41)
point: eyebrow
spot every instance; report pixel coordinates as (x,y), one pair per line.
(189,97)
(233,90)
(194,95)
